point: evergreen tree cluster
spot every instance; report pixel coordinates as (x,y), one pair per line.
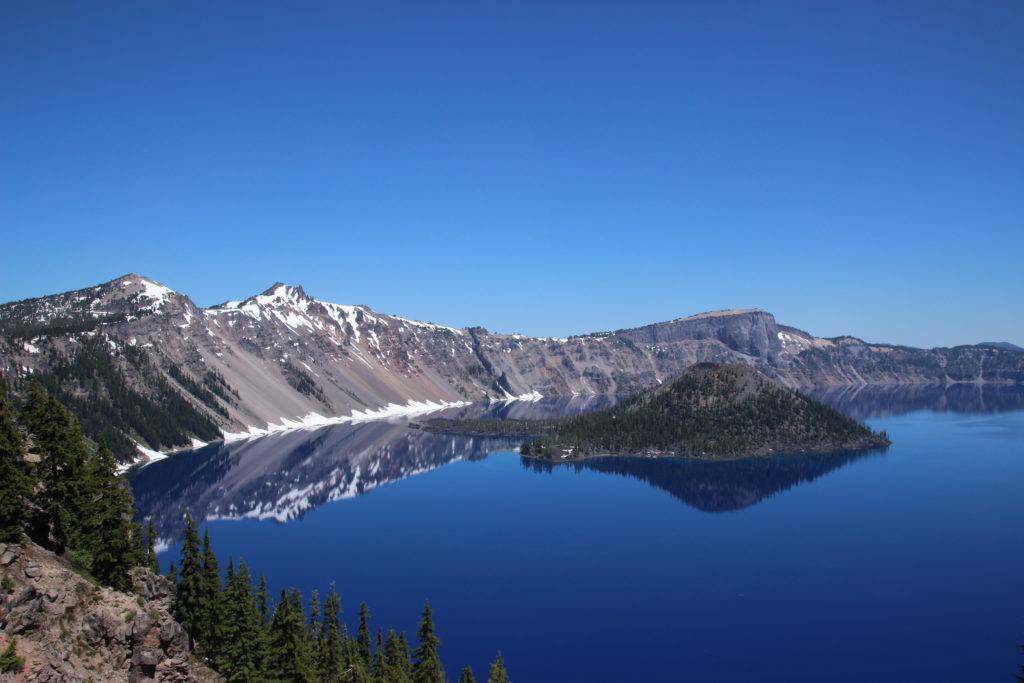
(245,636)
(200,391)
(711,409)
(71,499)
(302,382)
(92,384)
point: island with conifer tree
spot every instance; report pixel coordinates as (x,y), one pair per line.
(712,410)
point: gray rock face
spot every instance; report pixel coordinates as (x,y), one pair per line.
(70,630)
(283,355)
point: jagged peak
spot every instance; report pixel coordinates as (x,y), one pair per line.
(280,292)
(280,288)
(280,295)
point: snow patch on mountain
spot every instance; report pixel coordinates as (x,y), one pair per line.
(316,420)
(152,290)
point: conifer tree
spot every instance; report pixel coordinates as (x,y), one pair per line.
(467,676)
(239,656)
(263,602)
(379,666)
(355,669)
(315,632)
(108,533)
(189,601)
(363,644)
(427,668)
(15,483)
(406,654)
(498,673)
(396,658)
(209,597)
(313,628)
(172,573)
(215,647)
(149,559)
(57,438)
(332,655)
(289,652)
(10,660)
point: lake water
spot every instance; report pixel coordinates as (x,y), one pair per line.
(903,565)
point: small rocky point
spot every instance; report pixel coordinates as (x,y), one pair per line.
(70,629)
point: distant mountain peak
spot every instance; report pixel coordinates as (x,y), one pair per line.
(279,291)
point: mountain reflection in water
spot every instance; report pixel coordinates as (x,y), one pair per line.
(282,477)
(864,401)
(718,486)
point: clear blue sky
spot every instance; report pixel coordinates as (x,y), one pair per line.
(547,168)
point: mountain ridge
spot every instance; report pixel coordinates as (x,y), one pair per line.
(244,366)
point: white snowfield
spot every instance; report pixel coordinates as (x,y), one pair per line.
(312,421)
(315,420)
(153,290)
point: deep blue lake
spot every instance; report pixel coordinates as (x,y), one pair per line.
(903,565)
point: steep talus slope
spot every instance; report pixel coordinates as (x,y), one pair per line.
(139,362)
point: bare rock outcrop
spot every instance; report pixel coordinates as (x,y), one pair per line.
(72,630)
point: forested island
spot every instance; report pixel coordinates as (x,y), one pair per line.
(711,410)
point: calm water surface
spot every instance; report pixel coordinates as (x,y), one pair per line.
(897,566)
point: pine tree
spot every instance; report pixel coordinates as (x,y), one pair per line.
(405,655)
(363,644)
(149,559)
(313,628)
(396,658)
(57,438)
(428,668)
(189,600)
(467,676)
(498,673)
(241,644)
(15,483)
(315,632)
(332,655)
(379,666)
(108,532)
(289,652)
(172,573)
(355,670)
(263,602)
(209,600)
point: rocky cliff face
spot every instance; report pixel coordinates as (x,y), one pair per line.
(71,630)
(283,357)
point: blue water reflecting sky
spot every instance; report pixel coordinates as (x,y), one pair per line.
(903,565)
